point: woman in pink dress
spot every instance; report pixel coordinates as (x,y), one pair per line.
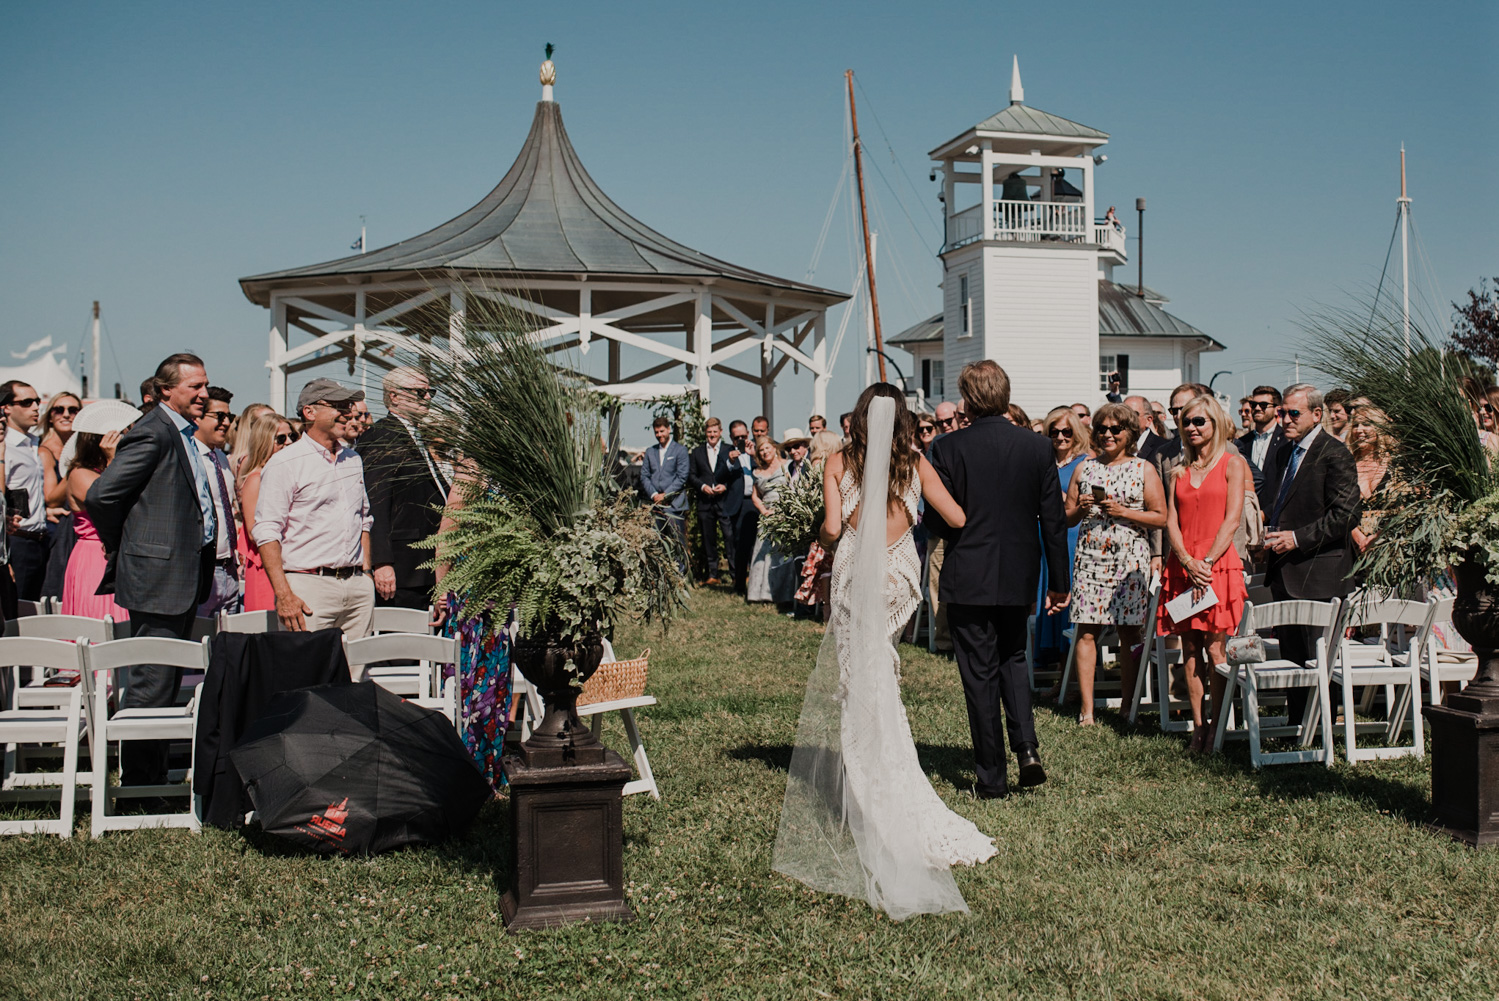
(266,434)
(1206,503)
(96,432)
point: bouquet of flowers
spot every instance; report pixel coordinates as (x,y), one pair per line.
(792,524)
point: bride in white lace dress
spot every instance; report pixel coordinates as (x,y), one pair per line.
(860,817)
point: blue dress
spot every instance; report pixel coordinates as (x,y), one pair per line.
(1049,640)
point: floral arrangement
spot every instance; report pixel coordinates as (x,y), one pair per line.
(792,524)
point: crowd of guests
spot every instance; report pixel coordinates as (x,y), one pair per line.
(180,508)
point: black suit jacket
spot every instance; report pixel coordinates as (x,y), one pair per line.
(1005,480)
(726,471)
(1245,444)
(1150,443)
(405,502)
(1322,508)
(145,507)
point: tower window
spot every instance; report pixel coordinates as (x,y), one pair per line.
(963,329)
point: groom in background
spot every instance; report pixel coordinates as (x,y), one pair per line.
(1005,480)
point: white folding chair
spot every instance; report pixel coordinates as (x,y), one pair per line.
(402,620)
(446,703)
(167,723)
(1437,665)
(1282,675)
(594,713)
(249,622)
(1355,664)
(413,680)
(1108,640)
(51,627)
(45,725)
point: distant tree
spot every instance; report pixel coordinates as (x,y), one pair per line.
(1476,329)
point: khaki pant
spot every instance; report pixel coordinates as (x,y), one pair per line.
(347,604)
(935,553)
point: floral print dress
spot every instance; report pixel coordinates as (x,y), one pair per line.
(1111,571)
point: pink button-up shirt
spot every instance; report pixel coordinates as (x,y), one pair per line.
(313,502)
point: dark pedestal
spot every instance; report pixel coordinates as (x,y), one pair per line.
(567,843)
(1465,766)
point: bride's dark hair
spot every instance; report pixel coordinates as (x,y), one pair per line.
(902,455)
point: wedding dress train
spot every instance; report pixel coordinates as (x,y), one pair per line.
(860,817)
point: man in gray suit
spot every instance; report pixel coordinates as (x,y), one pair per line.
(663,481)
(155,515)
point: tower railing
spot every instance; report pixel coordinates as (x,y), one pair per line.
(1027,221)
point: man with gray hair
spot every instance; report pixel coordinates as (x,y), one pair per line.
(407,487)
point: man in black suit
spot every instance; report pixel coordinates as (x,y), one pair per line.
(1005,480)
(406,490)
(717,481)
(1264,438)
(1149,440)
(155,515)
(1311,484)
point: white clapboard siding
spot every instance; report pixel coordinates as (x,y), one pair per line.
(1040,322)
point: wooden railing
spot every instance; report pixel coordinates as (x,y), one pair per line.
(1030,221)
(1109,237)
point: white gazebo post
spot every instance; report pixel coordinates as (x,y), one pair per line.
(278,348)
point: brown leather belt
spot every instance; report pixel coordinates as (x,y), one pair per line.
(342,573)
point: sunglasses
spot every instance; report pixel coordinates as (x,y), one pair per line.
(223,417)
(425,392)
(1196,422)
(943,422)
(287,439)
(1060,433)
(926,429)
(1487,408)
(65,411)
(1260,404)
(1112,430)
(1283,413)
(28,402)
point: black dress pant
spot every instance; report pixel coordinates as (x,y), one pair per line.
(28,561)
(1298,644)
(151,686)
(406,597)
(746,527)
(714,522)
(990,644)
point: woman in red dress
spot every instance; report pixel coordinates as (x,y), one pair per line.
(266,434)
(1205,505)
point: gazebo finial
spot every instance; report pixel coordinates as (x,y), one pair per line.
(1017,92)
(548,74)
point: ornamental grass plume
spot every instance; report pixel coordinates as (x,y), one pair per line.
(1439,470)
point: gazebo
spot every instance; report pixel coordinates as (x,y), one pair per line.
(549,243)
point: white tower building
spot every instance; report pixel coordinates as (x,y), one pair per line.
(1028,272)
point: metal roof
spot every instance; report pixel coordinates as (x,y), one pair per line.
(1033,121)
(1121,313)
(547,215)
(926,330)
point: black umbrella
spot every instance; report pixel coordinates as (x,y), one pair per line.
(355,769)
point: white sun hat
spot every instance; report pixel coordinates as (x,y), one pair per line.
(100,417)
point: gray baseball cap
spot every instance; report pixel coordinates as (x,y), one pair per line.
(327,391)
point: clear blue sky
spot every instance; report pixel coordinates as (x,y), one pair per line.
(153,154)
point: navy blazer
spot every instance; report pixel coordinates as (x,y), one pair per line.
(666,476)
(1322,507)
(726,471)
(1005,480)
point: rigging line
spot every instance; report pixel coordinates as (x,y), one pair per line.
(881,174)
(1430,270)
(827,220)
(848,312)
(1374,306)
(109,339)
(893,158)
(901,278)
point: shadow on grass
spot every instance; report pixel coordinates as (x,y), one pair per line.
(953,764)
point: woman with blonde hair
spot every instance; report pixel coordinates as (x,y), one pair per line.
(1070,445)
(1116,499)
(1205,503)
(824,444)
(55,429)
(238,437)
(266,434)
(1372,446)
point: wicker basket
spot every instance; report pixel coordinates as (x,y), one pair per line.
(617,679)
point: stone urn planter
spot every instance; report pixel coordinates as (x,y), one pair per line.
(559,670)
(1465,728)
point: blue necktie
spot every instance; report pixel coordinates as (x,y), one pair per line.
(1285,484)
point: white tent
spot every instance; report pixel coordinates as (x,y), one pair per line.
(47,373)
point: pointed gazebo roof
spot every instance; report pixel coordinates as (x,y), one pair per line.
(546,216)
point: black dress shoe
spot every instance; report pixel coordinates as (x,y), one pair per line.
(1031,772)
(988,792)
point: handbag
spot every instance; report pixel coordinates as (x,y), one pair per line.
(1248,649)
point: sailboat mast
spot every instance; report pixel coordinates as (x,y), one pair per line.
(96,386)
(1405,268)
(874,297)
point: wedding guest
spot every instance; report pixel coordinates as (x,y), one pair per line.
(946,419)
(96,433)
(1335,413)
(926,433)
(1205,502)
(26,530)
(843,421)
(236,442)
(261,437)
(1371,445)
(1483,412)
(1246,417)
(663,481)
(359,423)
(816,423)
(824,444)
(1265,437)
(312,522)
(747,521)
(1018,416)
(1083,413)
(1070,447)
(1149,441)
(1115,499)
(1159,410)
(406,486)
(796,444)
(212,431)
(964,420)
(715,479)
(53,434)
(769,578)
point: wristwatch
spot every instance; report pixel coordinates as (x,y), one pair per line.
(1209,562)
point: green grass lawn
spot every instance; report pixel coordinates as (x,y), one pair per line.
(1135,872)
